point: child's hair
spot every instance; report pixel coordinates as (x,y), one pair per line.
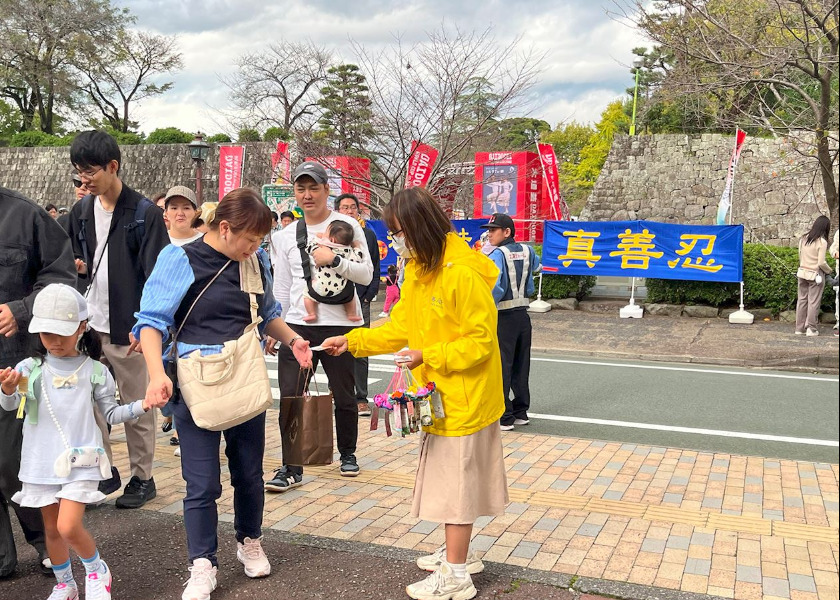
(90,344)
(392,270)
(341,233)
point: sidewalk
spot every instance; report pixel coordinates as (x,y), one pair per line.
(712,341)
(620,520)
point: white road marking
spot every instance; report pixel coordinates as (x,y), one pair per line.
(687,369)
(711,432)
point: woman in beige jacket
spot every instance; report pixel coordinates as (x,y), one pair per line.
(811,274)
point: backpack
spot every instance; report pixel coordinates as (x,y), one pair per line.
(134,232)
(33,392)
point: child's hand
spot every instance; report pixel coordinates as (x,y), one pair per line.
(9,379)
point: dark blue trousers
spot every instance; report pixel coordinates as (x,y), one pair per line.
(200,468)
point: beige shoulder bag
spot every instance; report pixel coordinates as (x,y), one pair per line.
(226,389)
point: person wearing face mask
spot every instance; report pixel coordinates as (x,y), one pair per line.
(447,318)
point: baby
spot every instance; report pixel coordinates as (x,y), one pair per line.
(325,280)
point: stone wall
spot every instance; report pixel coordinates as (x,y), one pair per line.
(678,178)
(43,174)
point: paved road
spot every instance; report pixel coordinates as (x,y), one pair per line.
(743,411)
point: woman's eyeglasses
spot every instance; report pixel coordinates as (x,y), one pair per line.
(393,233)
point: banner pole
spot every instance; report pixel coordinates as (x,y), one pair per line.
(632,310)
(539,305)
(740,316)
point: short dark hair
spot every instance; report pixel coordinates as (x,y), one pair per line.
(341,233)
(50,207)
(244,210)
(287,214)
(94,149)
(274,216)
(344,197)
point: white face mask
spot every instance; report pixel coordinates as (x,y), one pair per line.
(400,247)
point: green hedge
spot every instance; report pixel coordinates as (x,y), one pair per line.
(769,282)
(565,286)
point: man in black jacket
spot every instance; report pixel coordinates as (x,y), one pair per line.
(117,235)
(348,204)
(34,252)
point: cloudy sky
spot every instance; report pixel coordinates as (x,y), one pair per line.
(586,67)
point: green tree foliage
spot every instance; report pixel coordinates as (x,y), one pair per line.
(568,140)
(593,155)
(273,134)
(477,105)
(36,138)
(249,135)
(169,135)
(218,138)
(345,122)
(519,133)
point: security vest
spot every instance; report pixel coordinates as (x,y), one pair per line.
(518,270)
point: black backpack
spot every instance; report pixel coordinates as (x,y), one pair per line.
(342,297)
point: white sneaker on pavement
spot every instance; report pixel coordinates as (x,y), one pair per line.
(98,585)
(431,562)
(506,427)
(442,585)
(521,421)
(62,591)
(251,554)
(202,580)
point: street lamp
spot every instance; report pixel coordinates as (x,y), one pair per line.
(637,64)
(199,151)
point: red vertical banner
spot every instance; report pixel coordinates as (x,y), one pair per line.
(420,164)
(231,160)
(356,180)
(281,165)
(548,161)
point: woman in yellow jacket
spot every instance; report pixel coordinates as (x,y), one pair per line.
(447,318)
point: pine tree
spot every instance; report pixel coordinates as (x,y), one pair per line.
(345,123)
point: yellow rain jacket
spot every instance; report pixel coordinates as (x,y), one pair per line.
(450,315)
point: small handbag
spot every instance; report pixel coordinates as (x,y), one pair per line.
(806,274)
(225,389)
(306,423)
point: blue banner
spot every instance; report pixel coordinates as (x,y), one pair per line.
(468,229)
(644,249)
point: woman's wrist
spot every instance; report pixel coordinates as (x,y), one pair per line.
(294,339)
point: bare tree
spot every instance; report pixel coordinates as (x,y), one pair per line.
(118,74)
(279,86)
(419,92)
(773,62)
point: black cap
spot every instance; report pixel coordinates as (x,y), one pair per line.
(310,169)
(500,221)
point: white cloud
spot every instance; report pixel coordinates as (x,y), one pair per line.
(586,66)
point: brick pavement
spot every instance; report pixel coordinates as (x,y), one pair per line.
(718,524)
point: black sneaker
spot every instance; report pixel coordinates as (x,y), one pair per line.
(284,479)
(349,466)
(137,493)
(44,563)
(174,441)
(109,486)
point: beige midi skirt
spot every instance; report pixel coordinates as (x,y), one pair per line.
(460,478)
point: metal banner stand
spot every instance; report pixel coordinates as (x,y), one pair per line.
(740,316)
(632,310)
(539,305)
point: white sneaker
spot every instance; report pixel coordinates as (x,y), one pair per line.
(431,562)
(62,591)
(178,451)
(442,585)
(521,421)
(383,314)
(251,555)
(506,427)
(811,332)
(202,580)
(98,585)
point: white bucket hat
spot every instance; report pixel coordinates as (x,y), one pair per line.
(58,309)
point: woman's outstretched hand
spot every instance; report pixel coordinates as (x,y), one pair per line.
(409,358)
(335,345)
(303,353)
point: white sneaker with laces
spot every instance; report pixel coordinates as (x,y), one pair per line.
(251,554)
(811,332)
(442,585)
(202,580)
(98,585)
(62,591)
(521,421)
(506,427)
(431,562)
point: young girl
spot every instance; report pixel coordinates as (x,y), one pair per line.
(62,459)
(392,291)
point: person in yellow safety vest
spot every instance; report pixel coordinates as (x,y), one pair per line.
(517,265)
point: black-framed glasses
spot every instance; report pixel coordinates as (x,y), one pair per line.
(89,173)
(77,182)
(393,233)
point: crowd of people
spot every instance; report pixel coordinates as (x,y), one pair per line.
(106,307)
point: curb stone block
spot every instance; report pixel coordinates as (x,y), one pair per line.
(665,310)
(701,312)
(564,303)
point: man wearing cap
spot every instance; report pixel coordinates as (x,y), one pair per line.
(34,252)
(181,209)
(311,194)
(517,264)
(117,235)
(348,204)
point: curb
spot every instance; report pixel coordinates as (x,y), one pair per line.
(826,364)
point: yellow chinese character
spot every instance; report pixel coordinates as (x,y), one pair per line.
(635,249)
(580,247)
(464,235)
(687,243)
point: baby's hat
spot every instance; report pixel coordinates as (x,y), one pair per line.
(58,309)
